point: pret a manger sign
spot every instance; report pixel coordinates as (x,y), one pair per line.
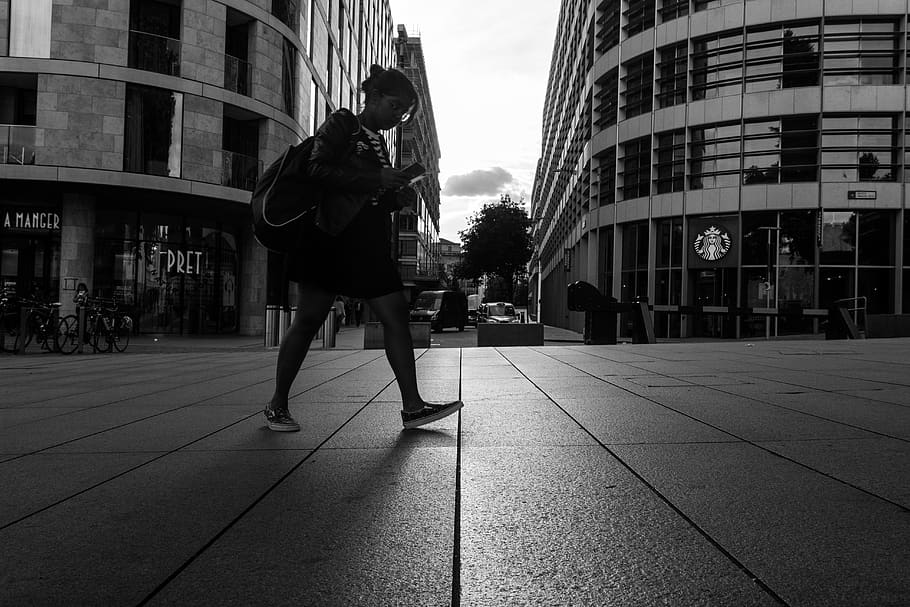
(183,262)
(31,220)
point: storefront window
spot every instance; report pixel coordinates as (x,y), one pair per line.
(838,238)
(876,239)
(178,276)
(797,238)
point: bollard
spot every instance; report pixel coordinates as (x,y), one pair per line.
(328,330)
(284,321)
(80,328)
(271,326)
(23,330)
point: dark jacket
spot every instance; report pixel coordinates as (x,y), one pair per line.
(350,177)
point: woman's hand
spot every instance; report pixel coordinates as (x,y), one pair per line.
(392,179)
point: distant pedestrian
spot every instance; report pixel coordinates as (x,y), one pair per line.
(339,313)
(358,312)
(351,159)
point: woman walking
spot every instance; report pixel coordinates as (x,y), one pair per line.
(350,159)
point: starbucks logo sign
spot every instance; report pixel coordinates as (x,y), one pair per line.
(712,244)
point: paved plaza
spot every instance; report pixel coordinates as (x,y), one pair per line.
(717,474)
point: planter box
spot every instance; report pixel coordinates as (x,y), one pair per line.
(514,334)
(374,336)
(888,325)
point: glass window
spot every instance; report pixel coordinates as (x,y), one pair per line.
(861,52)
(838,238)
(607,173)
(154,40)
(287,11)
(715,156)
(877,286)
(608,20)
(834,284)
(636,168)
(859,148)
(154,131)
(671,161)
(289,77)
(717,65)
(673,9)
(671,81)
(607,87)
(639,85)
(30,28)
(755,239)
(797,238)
(876,238)
(639,16)
(799,149)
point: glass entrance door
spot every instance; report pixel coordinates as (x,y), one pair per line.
(713,293)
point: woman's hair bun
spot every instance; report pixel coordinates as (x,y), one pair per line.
(375,70)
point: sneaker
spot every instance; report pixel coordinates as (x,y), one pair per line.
(280,420)
(429,413)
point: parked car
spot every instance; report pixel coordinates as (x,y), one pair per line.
(442,309)
(498,312)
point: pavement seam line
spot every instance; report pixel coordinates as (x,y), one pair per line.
(211,542)
(192,404)
(257,367)
(165,454)
(742,566)
(456,543)
(756,444)
(743,396)
(745,440)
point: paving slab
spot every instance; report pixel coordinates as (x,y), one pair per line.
(114,544)
(816,541)
(722,473)
(349,528)
(570,526)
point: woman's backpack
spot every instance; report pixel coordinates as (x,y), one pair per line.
(284,202)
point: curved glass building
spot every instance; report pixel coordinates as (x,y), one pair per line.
(131,134)
(743,164)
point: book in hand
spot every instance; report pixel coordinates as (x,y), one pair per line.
(415,172)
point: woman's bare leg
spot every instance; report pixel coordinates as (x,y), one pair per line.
(313,305)
(392,311)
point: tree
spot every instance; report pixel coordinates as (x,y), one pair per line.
(497,241)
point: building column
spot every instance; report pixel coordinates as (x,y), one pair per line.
(253,274)
(77,248)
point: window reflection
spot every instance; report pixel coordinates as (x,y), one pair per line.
(153,134)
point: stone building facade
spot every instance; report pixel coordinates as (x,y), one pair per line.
(141,126)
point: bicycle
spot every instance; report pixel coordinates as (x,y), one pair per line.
(112,329)
(40,323)
(105,327)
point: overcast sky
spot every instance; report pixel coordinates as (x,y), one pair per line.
(487,66)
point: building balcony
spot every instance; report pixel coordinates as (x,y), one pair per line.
(238,75)
(239,171)
(18,144)
(154,53)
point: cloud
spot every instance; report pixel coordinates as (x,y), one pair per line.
(482,182)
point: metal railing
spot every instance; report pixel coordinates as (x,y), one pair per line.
(154,53)
(18,144)
(239,171)
(238,75)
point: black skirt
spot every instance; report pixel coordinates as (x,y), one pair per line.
(356,263)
